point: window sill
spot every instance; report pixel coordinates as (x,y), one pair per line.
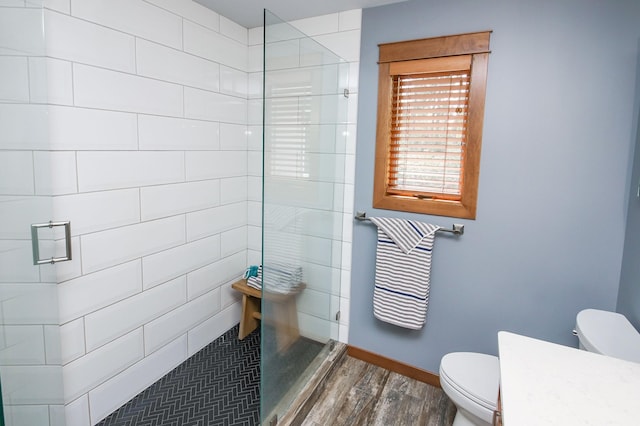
(447,208)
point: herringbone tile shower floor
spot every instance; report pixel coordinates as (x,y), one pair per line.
(219,385)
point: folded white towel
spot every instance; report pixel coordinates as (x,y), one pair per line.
(403,265)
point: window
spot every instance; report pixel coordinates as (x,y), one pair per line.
(430,110)
(287,150)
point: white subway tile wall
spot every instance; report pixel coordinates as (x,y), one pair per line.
(206,279)
(77,411)
(210,329)
(79,41)
(23,345)
(55,173)
(215,46)
(23,126)
(185,197)
(191,11)
(165,265)
(72,340)
(40,389)
(141,19)
(16,173)
(87,372)
(105,89)
(17,270)
(147,124)
(168,133)
(105,170)
(72,128)
(29,350)
(98,211)
(92,292)
(117,390)
(177,322)
(21,31)
(107,324)
(14,86)
(203,223)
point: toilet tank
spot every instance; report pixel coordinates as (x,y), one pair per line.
(608,333)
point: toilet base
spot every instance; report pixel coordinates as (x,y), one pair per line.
(463,418)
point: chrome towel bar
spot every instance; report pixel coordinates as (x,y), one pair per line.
(457,228)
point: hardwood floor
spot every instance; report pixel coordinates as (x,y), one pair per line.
(359,393)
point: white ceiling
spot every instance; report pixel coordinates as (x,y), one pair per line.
(249,13)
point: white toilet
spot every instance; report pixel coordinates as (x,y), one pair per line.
(607,333)
(471,380)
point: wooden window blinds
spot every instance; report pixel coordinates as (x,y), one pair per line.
(427,154)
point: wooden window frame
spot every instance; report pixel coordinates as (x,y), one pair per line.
(399,54)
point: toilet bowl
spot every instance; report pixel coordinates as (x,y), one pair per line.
(471,381)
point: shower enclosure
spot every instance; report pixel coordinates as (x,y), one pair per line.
(304,137)
(305,112)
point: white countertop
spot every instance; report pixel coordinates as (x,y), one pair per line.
(543,383)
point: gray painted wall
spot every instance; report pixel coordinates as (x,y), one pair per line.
(559,127)
(629,294)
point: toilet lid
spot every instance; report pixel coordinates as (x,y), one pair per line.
(475,375)
(608,333)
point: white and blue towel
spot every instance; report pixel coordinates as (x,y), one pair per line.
(403,265)
(277,277)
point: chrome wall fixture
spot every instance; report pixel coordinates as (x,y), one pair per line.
(36,243)
(457,229)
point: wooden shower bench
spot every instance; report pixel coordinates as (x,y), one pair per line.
(284,317)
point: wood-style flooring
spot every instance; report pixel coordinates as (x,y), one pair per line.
(359,393)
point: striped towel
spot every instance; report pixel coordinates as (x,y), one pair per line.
(403,263)
(277,278)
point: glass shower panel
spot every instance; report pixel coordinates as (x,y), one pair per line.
(305,112)
(30,361)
